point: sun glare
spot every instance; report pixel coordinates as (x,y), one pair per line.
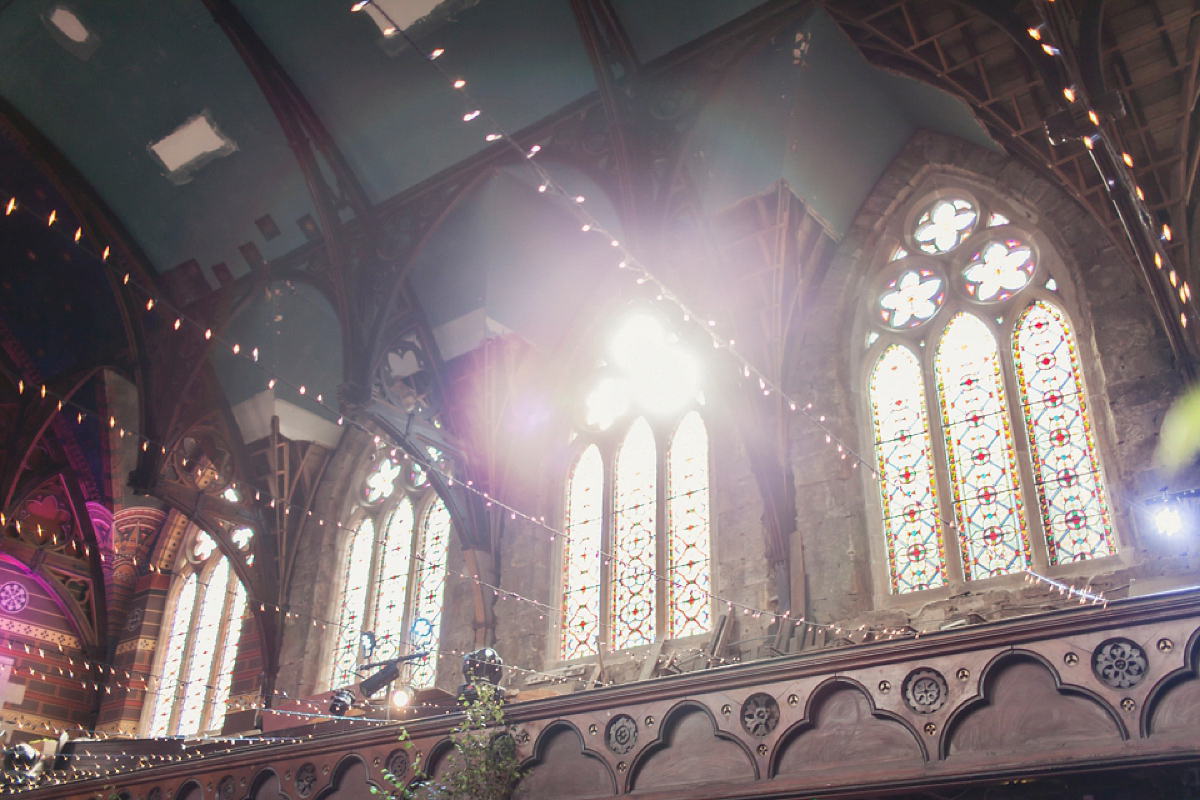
(656,373)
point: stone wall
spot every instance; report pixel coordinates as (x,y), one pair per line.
(1128,368)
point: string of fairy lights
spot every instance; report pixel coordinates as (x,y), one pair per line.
(589,225)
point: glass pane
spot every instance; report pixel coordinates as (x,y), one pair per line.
(391,589)
(204,546)
(903,448)
(999,270)
(634,551)
(381,482)
(356,577)
(912,298)
(204,649)
(218,707)
(176,647)
(429,588)
(945,225)
(688,515)
(979,445)
(581,556)
(1060,435)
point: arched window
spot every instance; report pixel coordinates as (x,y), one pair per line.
(967,336)
(198,652)
(393,573)
(636,558)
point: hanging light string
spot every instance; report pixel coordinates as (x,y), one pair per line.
(629,261)
(252,355)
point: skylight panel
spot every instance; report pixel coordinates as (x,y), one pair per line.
(190,146)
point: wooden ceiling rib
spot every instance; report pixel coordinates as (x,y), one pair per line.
(1148,53)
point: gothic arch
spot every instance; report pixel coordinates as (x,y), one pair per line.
(1174,702)
(567,768)
(708,754)
(877,738)
(1021,699)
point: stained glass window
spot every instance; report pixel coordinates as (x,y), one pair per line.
(945,225)
(979,447)
(176,649)
(428,590)
(581,556)
(912,298)
(903,448)
(999,270)
(356,578)
(634,548)
(688,557)
(391,586)
(1074,512)
(199,652)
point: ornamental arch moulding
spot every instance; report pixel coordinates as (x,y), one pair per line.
(1173,705)
(563,766)
(1022,703)
(842,725)
(691,749)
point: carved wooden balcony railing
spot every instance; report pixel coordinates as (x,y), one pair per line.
(1095,700)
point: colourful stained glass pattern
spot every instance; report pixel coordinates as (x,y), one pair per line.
(176,649)
(903,448)
(218,706)
(979,446)
(912,298)
(999,270)
(204,648)
(356,578)
(581,557)
(634,549)
(381,482)
(1069,485)
(688,550)
(391,588)
(945,225)
(429,589)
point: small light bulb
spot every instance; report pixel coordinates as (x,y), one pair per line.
(1128,159)
(1069,93)
(579,198)
(1094,118)
(470,115)
(1166,232)
(491,137)
(360,5)
(1035,34)
(460,83)
(436,53)
(542,188)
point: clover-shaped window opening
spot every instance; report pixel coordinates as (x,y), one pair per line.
(380,483)
(913,297)
(241,538)
(203,546)
(999,270)
(945,225)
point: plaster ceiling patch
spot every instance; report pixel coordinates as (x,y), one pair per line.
(190,146)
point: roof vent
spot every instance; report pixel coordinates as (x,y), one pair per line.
(69,31)
(190,146)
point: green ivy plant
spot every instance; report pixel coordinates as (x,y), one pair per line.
(483,764)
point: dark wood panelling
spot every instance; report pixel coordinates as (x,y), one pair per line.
(691,753)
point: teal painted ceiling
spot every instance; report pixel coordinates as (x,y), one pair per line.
(828,127)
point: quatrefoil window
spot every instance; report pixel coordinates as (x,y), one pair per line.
(945,225)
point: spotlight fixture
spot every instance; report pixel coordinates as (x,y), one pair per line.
(390,670)
(1170,513)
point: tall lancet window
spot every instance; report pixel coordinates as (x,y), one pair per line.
(975,387)
(636,555)
(393,572)
(190,688)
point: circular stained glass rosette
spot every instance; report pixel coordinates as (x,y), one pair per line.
(945,225)
(381,483)
(911,298)
(998,270)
